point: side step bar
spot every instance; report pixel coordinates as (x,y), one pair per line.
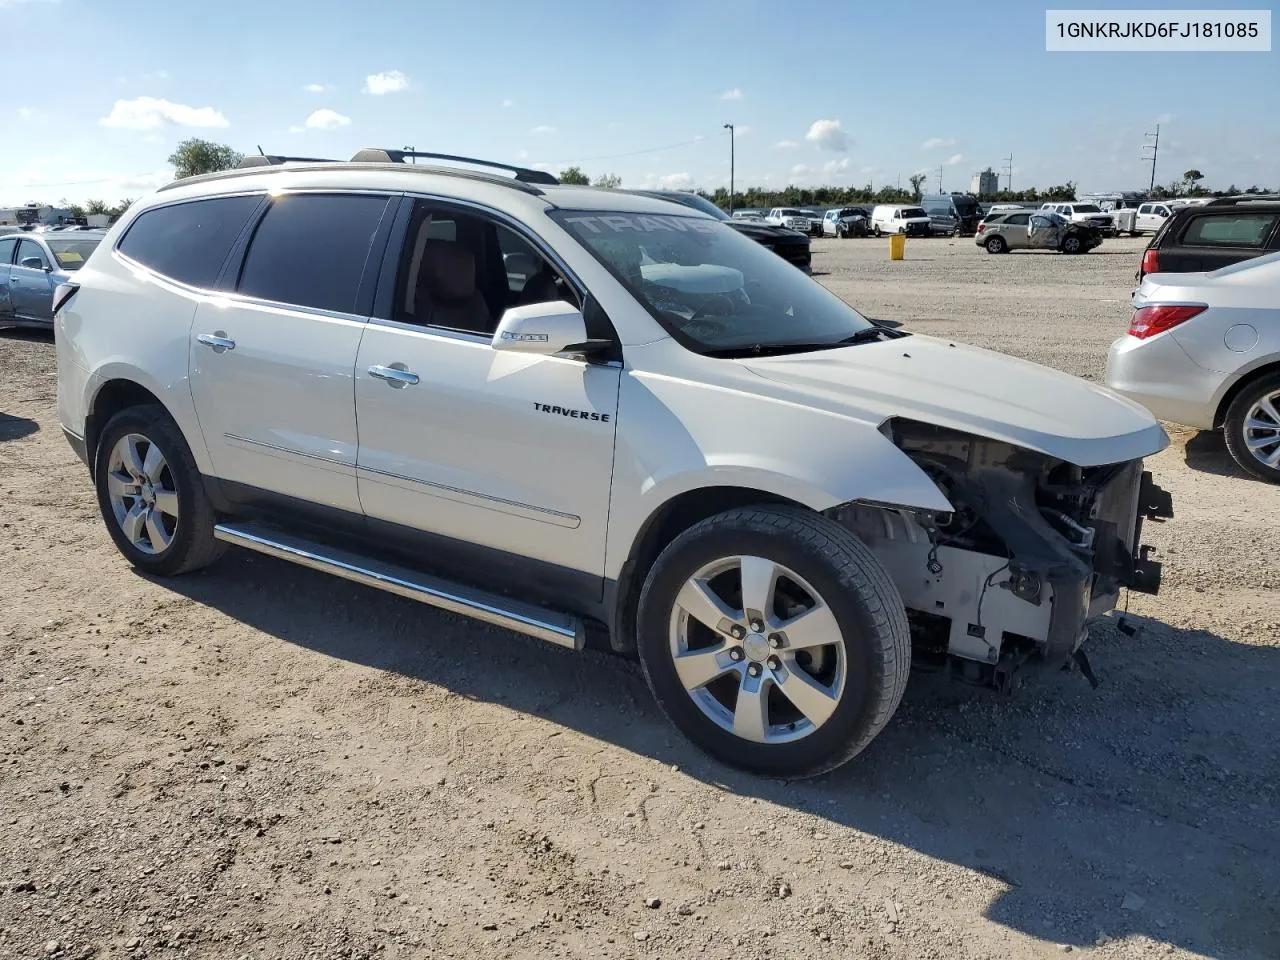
(559,628)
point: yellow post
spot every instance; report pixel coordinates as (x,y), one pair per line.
(897,246)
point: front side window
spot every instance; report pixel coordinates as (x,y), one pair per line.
(30,250)
(8,246)
(188,242)
(310,250)
(713,289)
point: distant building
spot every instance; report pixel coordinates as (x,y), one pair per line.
(34,213)
(985,183)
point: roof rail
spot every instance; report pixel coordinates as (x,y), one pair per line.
(523,174)
(1241,198)
(274,160)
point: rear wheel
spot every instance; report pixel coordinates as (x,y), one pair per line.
(151,495)
(996,245)
(1252,428)
(774,640)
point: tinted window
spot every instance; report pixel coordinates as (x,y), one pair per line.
(310,250)
(1021,219)
(7,246)
(188,241)
(1242,230)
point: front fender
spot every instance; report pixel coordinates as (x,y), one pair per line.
(676,435)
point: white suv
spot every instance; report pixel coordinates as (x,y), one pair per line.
(553,407)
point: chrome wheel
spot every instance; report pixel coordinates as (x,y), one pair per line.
(1262,430)
(143,496)
(758,649)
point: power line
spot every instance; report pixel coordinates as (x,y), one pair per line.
(636,153)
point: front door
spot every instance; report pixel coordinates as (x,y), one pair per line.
(31,282)
(272,363)
(8,247)
(493,449)
(1044,234)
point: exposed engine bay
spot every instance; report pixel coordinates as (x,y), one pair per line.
(1035,548)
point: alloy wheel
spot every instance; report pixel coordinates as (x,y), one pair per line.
(1262,430)
(144,498)
(757,649)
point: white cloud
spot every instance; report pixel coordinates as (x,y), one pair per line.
(835,166)
(389,81)
(1165,118)
(149,113)
(934,142)
(315,88)
(828,135)
(542,128)
(732,94)
(162,74)
(800,169)
(26,113)
(675,181)
(297,128)
(786,144)
(508,103)
(326,119)
(954,159)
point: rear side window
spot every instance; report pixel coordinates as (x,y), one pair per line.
(1243,230)
(310,250)
(188,242)
(1018,219)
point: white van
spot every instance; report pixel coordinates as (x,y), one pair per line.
(900,218)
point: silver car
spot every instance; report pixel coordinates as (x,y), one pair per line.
(32,264)
(1035,230)
(1203,349)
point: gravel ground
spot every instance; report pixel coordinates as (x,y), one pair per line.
(259,761)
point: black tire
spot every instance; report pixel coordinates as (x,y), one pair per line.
(193,545)
(876,230)
(861,596)
(996,245)
(1233,427)
(1072,244)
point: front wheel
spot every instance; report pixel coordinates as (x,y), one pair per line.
(876,230)
(1252,428)
(1072,244)
(150,493)
(774,640)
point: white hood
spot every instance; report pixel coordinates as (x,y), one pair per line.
(973,390)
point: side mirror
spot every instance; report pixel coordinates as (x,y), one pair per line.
(32,263)
(545,329)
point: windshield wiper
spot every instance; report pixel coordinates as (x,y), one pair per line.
(867,335)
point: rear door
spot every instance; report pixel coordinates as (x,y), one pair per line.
(1209,241)
(272,361)
(8,247)
(31,282)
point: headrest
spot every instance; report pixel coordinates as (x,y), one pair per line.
(450,271)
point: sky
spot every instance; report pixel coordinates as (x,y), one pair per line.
(100,91)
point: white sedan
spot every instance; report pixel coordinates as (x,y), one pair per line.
(1203,349)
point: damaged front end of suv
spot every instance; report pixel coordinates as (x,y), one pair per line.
(1034,549)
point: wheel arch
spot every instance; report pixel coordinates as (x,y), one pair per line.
(1265,368)
(110,398)
(672,517)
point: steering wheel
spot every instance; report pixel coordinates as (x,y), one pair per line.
(716,299)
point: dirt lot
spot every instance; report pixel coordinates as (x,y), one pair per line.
(258,761)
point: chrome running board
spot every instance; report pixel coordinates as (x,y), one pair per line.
(559,628)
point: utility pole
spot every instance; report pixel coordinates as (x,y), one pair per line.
(1008,173)
(729,127)
(939,178)
(410,149)
(1154,147)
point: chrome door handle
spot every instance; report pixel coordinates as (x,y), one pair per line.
(393,375)
(218,343)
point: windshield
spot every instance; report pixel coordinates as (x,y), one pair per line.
(698,203)
(910,212)
(1087,208)
(968,209)
(709,286)
(71,254)
(788,212)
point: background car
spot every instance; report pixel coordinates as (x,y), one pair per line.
(790,217)
(791,245)
(846,222)
(815,221)
(1203,349)
(905,218)
(1213,235)
(1089,214)
(1035,230)
(32,264)
(951,214)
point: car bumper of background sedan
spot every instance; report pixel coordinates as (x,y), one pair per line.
(1159,374)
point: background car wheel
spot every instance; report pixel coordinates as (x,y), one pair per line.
(1072,244)
(876,230)
(150,493)
(996,245)
(1252,428)
(774,640)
